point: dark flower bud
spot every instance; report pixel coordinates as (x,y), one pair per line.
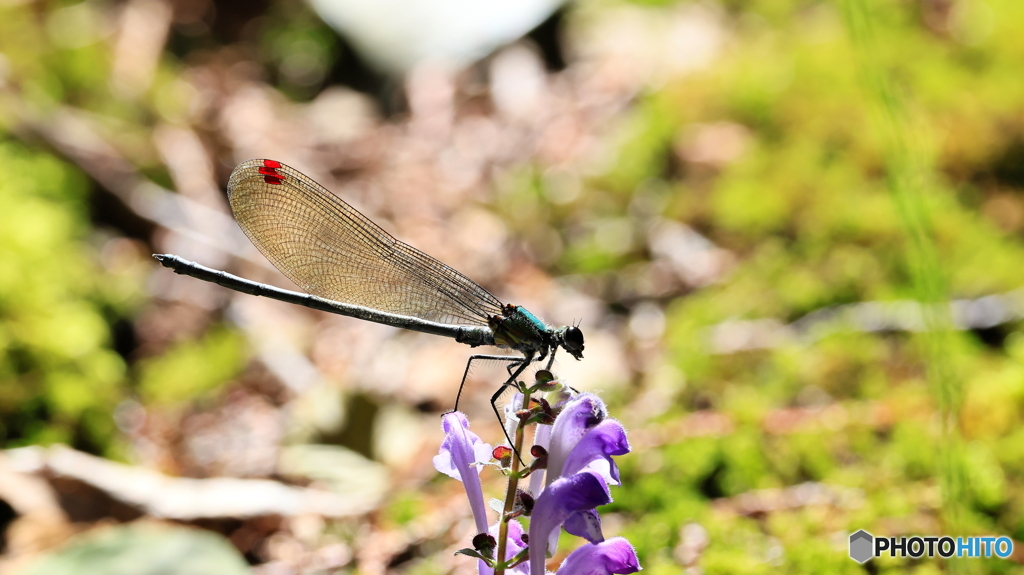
(524,503)
(485,544)
(540,460)
(546,408)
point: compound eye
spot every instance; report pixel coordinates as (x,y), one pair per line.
(573,339)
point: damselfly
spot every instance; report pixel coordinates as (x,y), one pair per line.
(351,266)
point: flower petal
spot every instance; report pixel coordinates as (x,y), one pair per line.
(577,417)
(595,450)
(541,437)
(514,406)
(585,524)
(614,556)
(565,496)
(458,437)
(456,459)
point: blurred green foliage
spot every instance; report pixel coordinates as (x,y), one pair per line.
(61,305)
(191,368)
(60,377)
(810,208)
(807,206)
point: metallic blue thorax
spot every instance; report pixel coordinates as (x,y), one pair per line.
(537,323)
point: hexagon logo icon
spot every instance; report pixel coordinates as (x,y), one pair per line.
(861,546)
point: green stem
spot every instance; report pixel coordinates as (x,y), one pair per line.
(510,492)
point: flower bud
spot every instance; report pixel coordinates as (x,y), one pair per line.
(485,544)
(523,504)
(503,454)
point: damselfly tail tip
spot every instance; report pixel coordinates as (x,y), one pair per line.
(168,260)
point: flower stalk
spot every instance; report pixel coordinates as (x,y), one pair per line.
(513,483)
(570,474)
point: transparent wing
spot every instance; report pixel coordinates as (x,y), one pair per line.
(331,250)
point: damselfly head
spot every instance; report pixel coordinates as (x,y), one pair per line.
(572,340)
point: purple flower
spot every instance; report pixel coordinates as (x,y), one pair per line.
(582,442)
(515,545)
(580,445)
(615,555)
(460,455)
(595,449)
(579,415)
(566,497)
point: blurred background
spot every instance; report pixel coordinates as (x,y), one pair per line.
(791,230)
